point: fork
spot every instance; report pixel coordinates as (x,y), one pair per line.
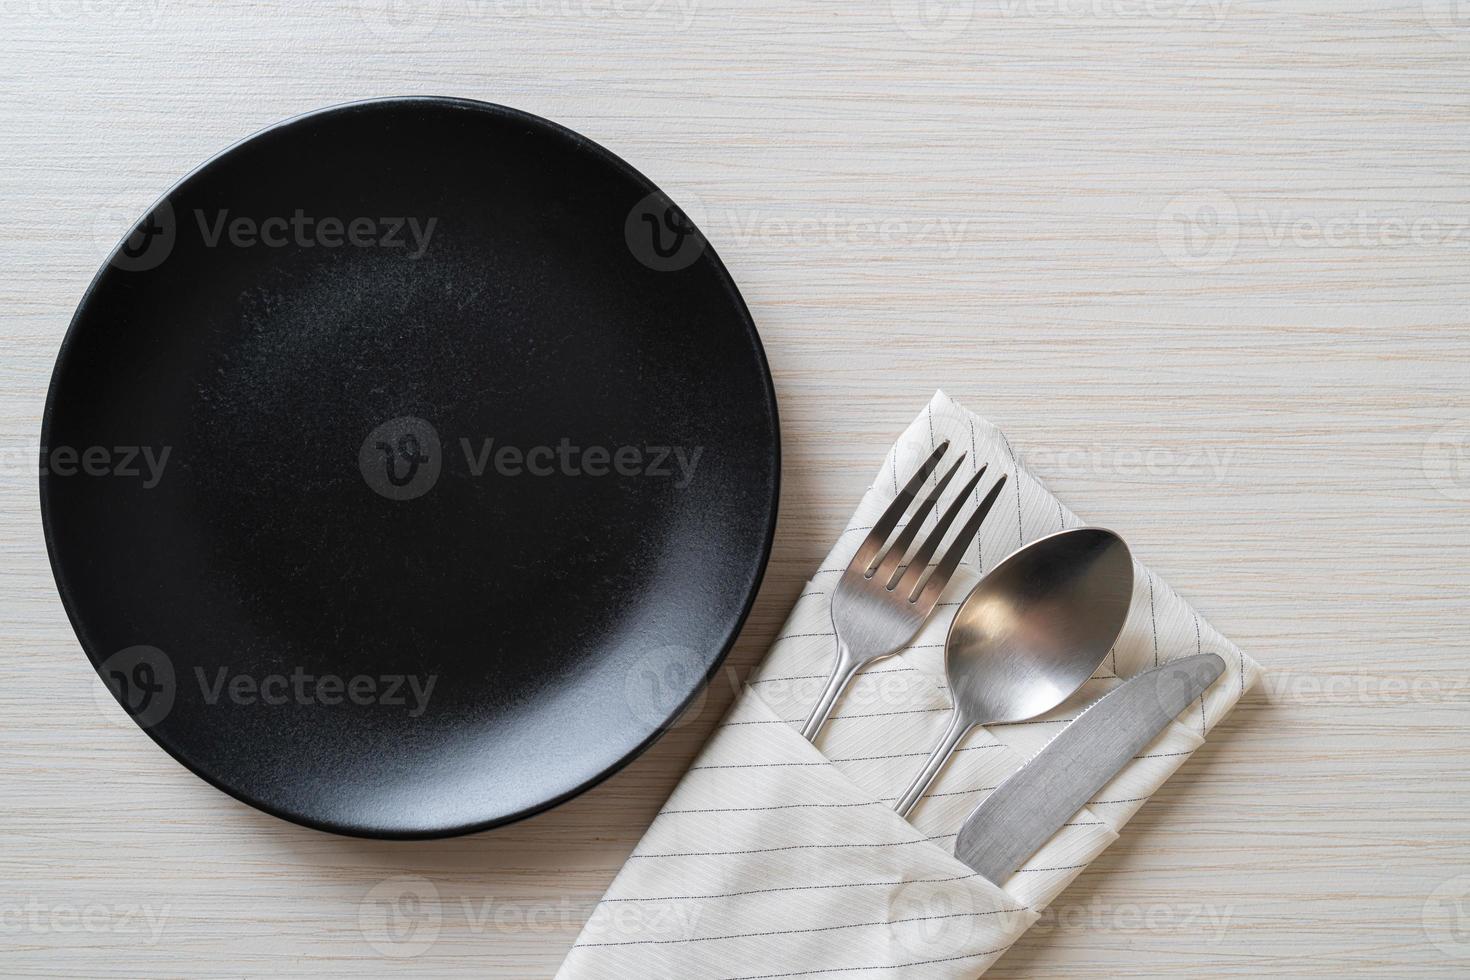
(881,601)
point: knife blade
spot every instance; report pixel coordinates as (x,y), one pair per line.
(1024,811)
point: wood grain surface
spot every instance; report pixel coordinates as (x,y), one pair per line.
(1204,260)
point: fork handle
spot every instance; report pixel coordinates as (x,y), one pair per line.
(958,729)
(842,670)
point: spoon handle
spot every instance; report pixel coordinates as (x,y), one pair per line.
(843,667)
(958,728)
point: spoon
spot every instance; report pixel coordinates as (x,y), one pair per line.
(1030,633)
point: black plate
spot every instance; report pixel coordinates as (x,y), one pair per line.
(334,597)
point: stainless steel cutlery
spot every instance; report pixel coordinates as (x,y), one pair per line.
(881,600)
(1025,639)
(1030,633)
(1025,810)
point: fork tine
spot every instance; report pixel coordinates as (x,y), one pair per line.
(873,543)
(887,570)
(935,583)
(920,562)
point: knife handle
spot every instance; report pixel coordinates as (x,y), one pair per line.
(958,728)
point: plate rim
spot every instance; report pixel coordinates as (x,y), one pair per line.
(67,594)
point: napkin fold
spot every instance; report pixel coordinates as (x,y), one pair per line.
(776,858)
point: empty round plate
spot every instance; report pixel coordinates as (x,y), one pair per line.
(409,467)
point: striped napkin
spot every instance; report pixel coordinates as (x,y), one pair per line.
(775,858)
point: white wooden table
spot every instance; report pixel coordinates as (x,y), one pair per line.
(1205,260)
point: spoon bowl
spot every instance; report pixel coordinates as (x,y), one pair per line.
(1030,633)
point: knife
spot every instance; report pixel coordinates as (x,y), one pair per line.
(1025,810)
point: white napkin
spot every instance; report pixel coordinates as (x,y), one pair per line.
(774,858)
